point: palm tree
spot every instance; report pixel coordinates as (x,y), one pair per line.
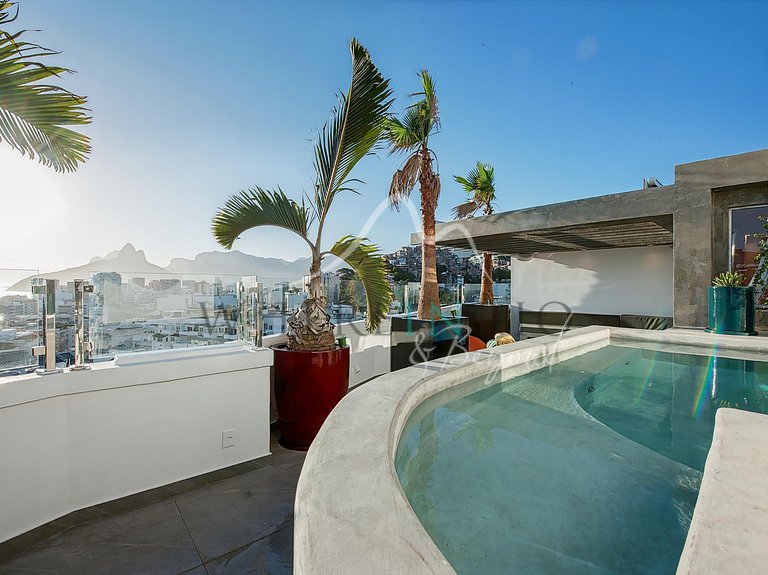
(33,114)
(480,186)
(355,126)
(411,136)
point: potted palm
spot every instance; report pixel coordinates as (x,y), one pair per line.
(311,371)
(731,305)
(485,318)
(429,335)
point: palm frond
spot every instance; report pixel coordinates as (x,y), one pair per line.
(466,210)
(430,97)
(354,128)
(480,184)
(404,180)
(371,267)
(33,116)
(420,120)
(403,135)
(258,207)
(5,12)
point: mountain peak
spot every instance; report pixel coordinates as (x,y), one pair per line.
(127,252)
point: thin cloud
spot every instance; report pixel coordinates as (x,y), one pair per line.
(521,58)
(587,48)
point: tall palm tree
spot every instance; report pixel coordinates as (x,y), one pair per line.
(480,186)
(410,135)
(33,113)
(355,126)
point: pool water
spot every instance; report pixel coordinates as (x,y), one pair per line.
(592,465)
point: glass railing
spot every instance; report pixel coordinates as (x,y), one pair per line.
(346,301)
(501,292)
(281,298)
(406,295)
(20,321)
(140,311)
(131,312)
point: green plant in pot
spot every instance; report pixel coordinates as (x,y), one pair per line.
(485,319)
(731,305)
(429,335)
(311,371)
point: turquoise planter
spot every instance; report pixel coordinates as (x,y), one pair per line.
(732,310)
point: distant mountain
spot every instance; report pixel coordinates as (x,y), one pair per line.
(131,262)
(127,260)
(237,263)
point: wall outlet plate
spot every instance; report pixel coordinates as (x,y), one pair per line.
(227,438)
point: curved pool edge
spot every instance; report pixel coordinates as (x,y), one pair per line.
(351,514)
(727,533)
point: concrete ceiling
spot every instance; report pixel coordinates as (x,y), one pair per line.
(601,235)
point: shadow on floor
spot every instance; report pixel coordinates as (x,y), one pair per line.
(242,524)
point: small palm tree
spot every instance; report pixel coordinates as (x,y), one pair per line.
(354,128)
(411,136)
(33,114)
(482,191)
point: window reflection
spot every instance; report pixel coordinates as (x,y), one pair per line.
(744,244)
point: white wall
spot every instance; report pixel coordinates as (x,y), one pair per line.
(629,281)
(369,355)
(76,439)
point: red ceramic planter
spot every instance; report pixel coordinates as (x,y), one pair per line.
(308,385)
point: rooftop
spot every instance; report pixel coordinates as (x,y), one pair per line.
(162,461)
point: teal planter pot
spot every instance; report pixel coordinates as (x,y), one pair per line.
(732,310)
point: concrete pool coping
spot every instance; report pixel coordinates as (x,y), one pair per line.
(730,521)
(351,514)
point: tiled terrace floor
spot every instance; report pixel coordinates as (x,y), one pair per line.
(242,524)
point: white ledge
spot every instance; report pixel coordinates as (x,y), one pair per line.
(154,367)
(730,522)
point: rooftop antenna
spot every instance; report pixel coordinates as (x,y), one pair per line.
(651,182)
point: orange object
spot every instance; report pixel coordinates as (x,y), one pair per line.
(475,343)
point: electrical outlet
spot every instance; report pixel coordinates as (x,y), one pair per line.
(227,438)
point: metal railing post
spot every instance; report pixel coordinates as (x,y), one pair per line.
(250,324)
(257,318)
(81,345)
(47,289)
(242,312)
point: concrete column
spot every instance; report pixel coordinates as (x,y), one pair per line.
(692,255)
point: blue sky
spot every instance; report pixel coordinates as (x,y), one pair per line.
(194,101)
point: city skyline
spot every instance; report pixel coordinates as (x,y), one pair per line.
(232,265)
(566,100)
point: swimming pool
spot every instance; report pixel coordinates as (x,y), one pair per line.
(590,465)
(351,512)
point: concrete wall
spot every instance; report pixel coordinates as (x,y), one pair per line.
(76,439)
(631,281)
(699,203)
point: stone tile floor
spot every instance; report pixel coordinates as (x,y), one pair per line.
(242,524)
